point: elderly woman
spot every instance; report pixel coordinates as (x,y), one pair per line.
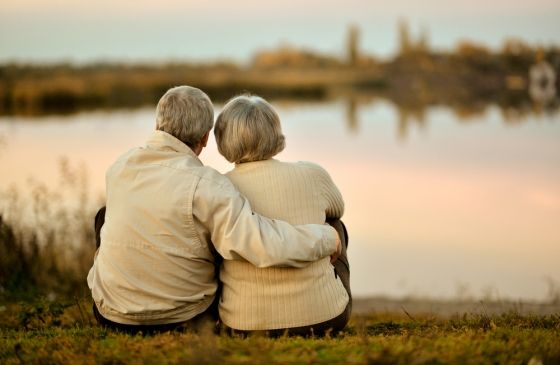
(315,299)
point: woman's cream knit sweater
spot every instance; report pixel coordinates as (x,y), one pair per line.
(276,298)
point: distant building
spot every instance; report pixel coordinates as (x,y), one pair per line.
(352,50)
(407,44)
(542,81)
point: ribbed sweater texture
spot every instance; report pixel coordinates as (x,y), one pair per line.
(277,298)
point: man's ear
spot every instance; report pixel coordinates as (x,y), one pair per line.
(204,139)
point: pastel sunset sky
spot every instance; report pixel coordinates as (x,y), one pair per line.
(85,31)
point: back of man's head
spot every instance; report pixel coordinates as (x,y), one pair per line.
(186,113)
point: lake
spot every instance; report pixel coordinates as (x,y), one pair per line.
(437,205)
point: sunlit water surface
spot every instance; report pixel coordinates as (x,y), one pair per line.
(440,209)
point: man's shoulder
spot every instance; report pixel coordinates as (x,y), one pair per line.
(211,176)
(205,174)
(179,163)
(123,159)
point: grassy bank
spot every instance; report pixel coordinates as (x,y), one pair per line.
(64,333)
(45,318)
(45,309)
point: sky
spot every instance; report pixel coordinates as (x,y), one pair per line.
(88,31)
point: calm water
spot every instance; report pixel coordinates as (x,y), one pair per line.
(439,208)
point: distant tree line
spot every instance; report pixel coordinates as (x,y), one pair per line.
(468,73)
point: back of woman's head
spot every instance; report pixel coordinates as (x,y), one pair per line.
(248,129)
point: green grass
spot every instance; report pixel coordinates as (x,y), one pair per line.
(44,332)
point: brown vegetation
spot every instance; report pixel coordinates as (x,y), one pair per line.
(470,75)
(46,238)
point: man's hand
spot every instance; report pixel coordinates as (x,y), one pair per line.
(339,228)
(338,251)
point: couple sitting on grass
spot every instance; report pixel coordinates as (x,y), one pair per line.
(181,245)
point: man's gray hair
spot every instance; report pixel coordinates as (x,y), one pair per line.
(248,129)
(186,113)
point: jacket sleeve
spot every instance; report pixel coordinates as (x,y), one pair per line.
(240,234)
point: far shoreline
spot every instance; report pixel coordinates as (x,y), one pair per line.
(450,307)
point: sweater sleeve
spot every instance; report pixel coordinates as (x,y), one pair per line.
(334,204)
(239,233)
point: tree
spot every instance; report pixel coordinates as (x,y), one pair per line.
(352,50)
(405,43)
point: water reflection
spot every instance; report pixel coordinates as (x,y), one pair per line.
(408,116)
(413,115)
(351,114)
(465,201)
(3,142)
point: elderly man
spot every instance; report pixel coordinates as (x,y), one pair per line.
(168,215)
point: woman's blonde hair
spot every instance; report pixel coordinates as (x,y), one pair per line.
(248,129)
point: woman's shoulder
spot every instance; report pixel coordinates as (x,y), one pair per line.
(305,168)
(319,173)
(313,171)
(312,167)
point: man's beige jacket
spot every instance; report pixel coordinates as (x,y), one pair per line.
(167,215)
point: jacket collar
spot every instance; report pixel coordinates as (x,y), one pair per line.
(161,140)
